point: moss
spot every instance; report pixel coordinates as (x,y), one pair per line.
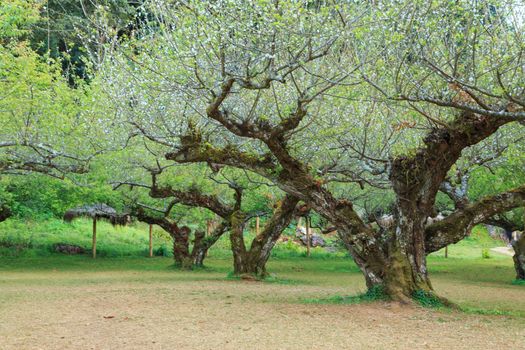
(376,293)
(399,279)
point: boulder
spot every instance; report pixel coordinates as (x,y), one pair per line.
(68,248)
(315,241)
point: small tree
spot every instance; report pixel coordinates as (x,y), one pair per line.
(246,260)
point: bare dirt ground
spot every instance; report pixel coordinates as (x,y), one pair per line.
(169,310)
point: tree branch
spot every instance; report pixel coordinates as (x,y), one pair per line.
(454,227)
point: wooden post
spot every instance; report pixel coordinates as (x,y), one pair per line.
(308,224)
(257,223)
(446,251)
(150,240)
(298,227)
(94,247)
(523,232)
(208,228)
(208,232)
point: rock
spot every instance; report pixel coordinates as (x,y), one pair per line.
(68,249)
(331,249)
(315,241)
(519,256)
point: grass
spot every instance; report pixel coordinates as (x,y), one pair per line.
(371,295)
(27,247)
(61,301)
(20,238)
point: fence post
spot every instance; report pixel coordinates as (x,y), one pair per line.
(150,240)
(94,246)
(308,224)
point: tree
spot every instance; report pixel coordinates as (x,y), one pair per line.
(308,99)
(233,216)
(43,129)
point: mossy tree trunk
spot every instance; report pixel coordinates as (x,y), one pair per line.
(183,256)
(253,261)
(237,243)
(264,242)
(416,180)
(406,268)
(519,257)
(202,243)
(181,246)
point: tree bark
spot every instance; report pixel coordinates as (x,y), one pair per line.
(264,242)
(454,227)
(253,261)
(182,255)
(202,244)
(519,257)
(406,267)
(181,246)
(240,263)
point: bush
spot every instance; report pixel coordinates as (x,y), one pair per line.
(163,250)
(485,253)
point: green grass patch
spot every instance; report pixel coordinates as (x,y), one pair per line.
(492,312)
(518,282)
(375,293)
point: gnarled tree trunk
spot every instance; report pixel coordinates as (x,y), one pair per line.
(240,263)
(396,261)
(519,257)
(253,261)
(181,246)
(406,267)
(416,181)
(202,244)
(183,256)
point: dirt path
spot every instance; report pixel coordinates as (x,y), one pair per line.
(98,313)
(503,250)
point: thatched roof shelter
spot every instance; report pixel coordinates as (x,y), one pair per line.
(98,211)
(95,212)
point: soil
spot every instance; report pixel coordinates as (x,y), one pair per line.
(148,310)
(503,250)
